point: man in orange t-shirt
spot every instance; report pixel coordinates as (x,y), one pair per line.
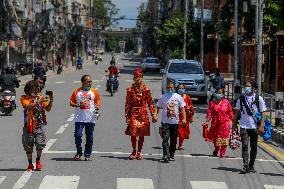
(86,100)
(35,122)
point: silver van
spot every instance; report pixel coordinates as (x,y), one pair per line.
(188,72)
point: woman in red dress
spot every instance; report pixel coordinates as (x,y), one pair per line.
(137,119)
(184,131)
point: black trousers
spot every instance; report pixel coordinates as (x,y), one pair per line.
(249,135)
(169,132)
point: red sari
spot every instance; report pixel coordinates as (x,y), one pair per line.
(136,110)
(184,131)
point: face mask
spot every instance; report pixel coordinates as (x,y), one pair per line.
(181,91)
(87,88)
(171,92)
(219,96)
(247,90)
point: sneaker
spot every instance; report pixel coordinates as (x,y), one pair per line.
(30,168)
(172,159)
(165,159)
(252,170)
(245,170)
(39,165)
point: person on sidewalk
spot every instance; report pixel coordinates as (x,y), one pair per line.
(35,122)
(137,119)
(246,107)
(86,100)
(172,105)
(220,113)
(184,131)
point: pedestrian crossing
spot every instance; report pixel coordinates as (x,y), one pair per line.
(72,182)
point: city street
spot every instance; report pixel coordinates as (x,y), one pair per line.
(194,168)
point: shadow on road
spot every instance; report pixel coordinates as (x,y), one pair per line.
(272,174)
(115,157)
(157,148)
(229,169)
(12,169)
(63,159)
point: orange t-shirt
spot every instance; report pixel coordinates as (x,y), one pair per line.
(36,116)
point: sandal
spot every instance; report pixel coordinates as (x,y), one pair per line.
(132,155)
(180,148)
(77,157)
(139,157)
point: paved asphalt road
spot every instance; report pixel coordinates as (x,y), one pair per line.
(110,169)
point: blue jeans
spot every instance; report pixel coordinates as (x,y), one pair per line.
(89,131)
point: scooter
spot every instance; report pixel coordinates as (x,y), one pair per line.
(7,102)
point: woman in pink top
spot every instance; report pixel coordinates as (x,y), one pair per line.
(220,113)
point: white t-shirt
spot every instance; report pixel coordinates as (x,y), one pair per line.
(88,101)
(246,121)
(171,105)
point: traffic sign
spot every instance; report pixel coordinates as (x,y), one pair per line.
(207,14)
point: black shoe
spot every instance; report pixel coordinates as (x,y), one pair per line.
(252,170)
(165,159)
(215,153)
(245,170)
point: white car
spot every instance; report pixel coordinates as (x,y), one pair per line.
(151,63)
(188,72)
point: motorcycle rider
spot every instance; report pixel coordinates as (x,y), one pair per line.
(40,74)
(112,70)
(79,63)
(8,81)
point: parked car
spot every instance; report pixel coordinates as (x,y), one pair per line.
(151,63)
(188,72)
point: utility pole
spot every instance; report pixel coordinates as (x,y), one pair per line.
(218,28)
(202,33)
(185,29)
(34,32)
(237,83)
(8,54)
(259,48)
(256,20)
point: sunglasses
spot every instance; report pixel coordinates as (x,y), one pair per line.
(88,82)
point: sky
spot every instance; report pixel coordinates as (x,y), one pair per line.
(128,8)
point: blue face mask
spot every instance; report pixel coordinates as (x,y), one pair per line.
(219,96)
(171,92)
(87,88)
(248,90)
(181,91)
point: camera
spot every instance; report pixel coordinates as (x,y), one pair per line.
(49,93)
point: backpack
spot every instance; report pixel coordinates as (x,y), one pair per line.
(257,117)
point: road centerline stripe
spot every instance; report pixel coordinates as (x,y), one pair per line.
(208,184)
(62,129)
(23,180)
(48,145)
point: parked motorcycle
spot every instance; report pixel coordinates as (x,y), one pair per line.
(96,61)
(7,102)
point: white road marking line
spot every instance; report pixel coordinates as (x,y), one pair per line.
(208,184)
(60,182)
(144,154)
(71,118)
(22,180)
(273,187)
(62,129)
(134,183)
(76,81)
(2,178)
(48,145)
(96,80)
(59,82)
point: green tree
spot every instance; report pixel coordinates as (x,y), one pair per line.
(104,11)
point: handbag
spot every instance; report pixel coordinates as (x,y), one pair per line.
(205,131)
(127,131)
(235,140)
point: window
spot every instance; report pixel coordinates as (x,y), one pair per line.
(185,68)
(152,60)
